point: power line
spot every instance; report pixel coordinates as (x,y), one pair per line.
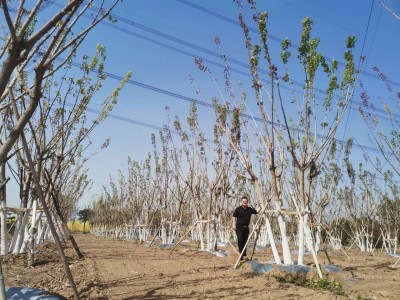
(199,102)
(135,122)
(226,19)
(389,10)
(271,37)
(190,45)
(130,32)
(172,94)
(176,40)
(204,50)
(359,63)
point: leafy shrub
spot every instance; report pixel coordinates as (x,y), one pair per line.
(310,282)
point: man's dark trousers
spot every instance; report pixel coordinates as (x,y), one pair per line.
(242,233)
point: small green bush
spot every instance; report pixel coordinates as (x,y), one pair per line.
(311,282)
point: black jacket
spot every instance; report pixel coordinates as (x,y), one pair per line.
(243,215)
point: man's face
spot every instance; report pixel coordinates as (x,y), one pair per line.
(244,203)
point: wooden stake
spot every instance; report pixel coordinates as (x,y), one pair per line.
(155,235)
(341,248)
(308,239)
(180,240)
(396,263)
(327,256)
(183,236)
(229,241)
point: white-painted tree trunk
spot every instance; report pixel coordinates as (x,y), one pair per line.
(335,242)
(310,245)
(26,234)
(18,222)
(47,234)
(32,232)
(41,230)
(318,238)
(287,258)
(3,224)
(275,252)
(163,232)
(208,234)
(30,239)
(3,212)
(212,234)
(20,234)
(390,242)
(263,239)
(301,242)
(201,235)
(363,241)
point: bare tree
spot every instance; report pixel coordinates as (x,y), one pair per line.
(34,40)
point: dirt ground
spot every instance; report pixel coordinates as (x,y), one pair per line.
(114,269)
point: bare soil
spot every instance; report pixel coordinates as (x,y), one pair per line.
(115,269)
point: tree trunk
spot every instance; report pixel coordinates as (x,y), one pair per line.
(287,258)
(19,234)
(301,236)
(32,234)
(310,245)
(272,241)
(3,216)
(65,228)
(2,285)
(3,213)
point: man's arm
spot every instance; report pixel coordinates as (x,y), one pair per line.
(234,223)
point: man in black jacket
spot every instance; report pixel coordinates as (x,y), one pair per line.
(240,223)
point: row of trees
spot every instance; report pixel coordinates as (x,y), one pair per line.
(353,206)
(287,160)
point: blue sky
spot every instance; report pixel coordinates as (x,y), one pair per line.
(158,39)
